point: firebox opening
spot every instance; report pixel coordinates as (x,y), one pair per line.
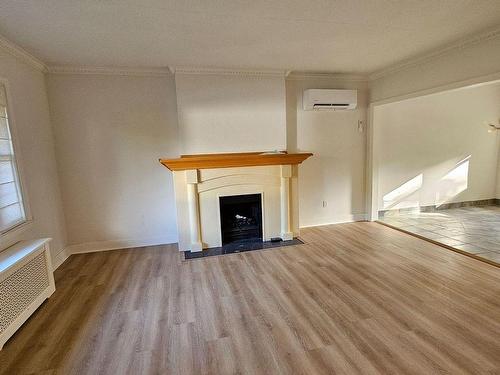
(241,217)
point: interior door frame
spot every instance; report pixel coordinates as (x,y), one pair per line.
(372,167)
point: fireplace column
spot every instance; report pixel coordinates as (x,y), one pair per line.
(286,173)
(194,210)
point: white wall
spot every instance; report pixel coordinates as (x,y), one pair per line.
(428,136)
(336,172)
(230,113)
(110,132)
(474,61)
(30,116)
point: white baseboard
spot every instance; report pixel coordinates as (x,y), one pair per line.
(59,259)
(91,247)
(344,219)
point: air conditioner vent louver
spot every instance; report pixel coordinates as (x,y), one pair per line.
(326,99)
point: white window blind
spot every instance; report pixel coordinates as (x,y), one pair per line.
(12,212)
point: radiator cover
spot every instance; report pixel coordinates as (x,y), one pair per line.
(26,280)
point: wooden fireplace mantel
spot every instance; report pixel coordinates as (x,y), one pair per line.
(229,160)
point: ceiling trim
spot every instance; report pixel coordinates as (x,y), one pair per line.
(22,54)
(422,59)
(333,76)
(104,70)
(228,72)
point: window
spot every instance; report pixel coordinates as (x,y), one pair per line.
(12,211)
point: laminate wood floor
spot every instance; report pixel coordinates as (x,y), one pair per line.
(357,298)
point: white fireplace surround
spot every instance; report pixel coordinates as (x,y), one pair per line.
(197,193)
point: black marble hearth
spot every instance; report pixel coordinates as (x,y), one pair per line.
(241,246)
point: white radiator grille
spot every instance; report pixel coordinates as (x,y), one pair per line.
(21,288)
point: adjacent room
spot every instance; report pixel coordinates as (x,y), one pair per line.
(221,187)
(438,167)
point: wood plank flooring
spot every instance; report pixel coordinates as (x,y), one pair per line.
(357,298)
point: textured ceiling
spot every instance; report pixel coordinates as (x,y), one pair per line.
(350,36)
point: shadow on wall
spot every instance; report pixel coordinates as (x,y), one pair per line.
(450,185)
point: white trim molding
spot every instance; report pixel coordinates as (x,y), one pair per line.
(458,85)
(107,70)
(297,76)
(228,72)
(59,259)
(421,59)
(343,219)
(22,54)
(90,247)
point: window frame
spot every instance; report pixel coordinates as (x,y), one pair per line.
(13,234)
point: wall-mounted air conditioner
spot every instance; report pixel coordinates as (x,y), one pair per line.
(331,100)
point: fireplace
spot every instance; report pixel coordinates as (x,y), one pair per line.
(241,218)
(260,188)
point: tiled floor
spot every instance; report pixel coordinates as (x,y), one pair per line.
(472,229)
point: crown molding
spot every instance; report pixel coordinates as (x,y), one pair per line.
(22,54)
(297,75)
(228,72)
(107,70)
(437,53)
